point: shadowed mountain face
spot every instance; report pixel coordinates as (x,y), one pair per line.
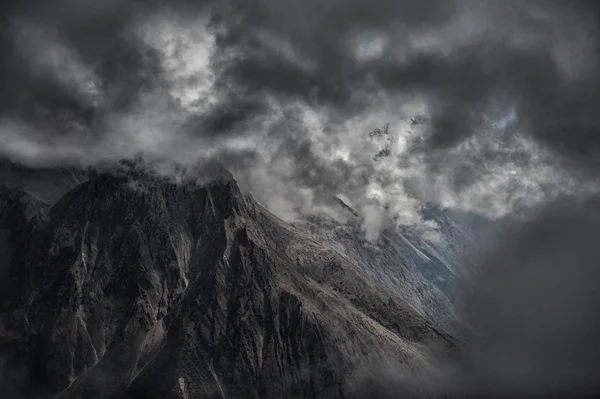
(142,288)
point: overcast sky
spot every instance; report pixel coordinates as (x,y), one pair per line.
(284,94)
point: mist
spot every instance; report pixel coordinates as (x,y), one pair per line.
(534,307)
(533,313)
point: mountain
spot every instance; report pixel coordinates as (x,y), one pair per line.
(140,287)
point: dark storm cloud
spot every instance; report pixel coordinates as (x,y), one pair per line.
(93,32)
(311,57)
(303,49)
(222,119)
(39,43)
(308,51)
(73,68)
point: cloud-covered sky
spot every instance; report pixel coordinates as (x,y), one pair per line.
(284,94)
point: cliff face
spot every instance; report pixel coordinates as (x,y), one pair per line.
(142,288)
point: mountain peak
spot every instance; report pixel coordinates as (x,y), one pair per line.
(136,192)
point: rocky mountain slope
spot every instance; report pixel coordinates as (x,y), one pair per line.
(144,288)
(426,273)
